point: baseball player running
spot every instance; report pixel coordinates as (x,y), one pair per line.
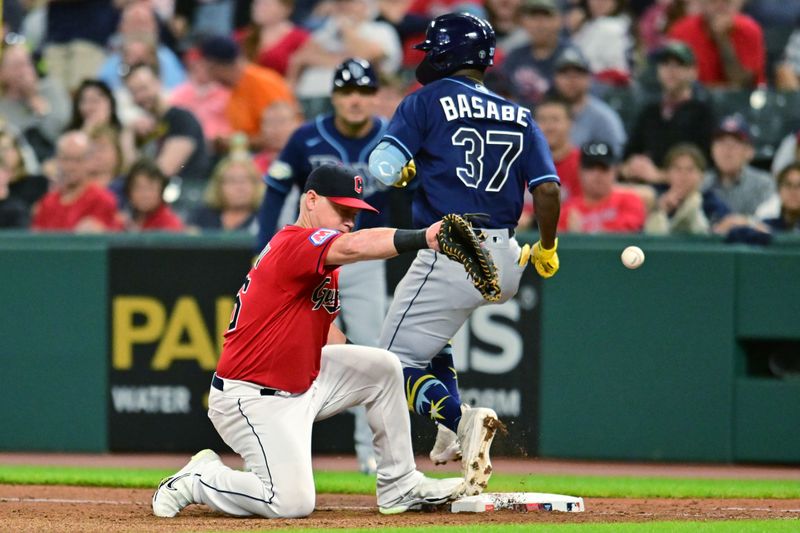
(346,136)
(285,365)
(475,152)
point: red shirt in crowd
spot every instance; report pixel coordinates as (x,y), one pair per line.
(95,202)
(620,212)
(748,44)
(162,219)
(282,312)
(568,170)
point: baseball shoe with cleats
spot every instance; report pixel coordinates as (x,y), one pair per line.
(475,433)
(446,447)
(175,492)
(428,491)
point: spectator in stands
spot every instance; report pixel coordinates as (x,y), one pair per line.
(76,35)
(76,204)
(603,207)
(410,27)
(14,213)
(742,187)
(554,117)
(279,121)
(391,92)
(253,88)
(171,136)
(271,38)
(94,107)
(787,71)
(681,115)
(728,45)
(604,38)
(205,98)
(679,209)
(593,119)
(137,49)
(529,69)
(38,107)
(106,165)
(232,197)
(504,16)
(350,32)
(788,152)
(789,193)
(656,20)
(23,184)
(144,187)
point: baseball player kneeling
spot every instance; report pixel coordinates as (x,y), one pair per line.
(284,365)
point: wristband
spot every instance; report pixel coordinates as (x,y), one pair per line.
(409,240)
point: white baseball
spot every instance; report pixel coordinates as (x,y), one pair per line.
(632,257)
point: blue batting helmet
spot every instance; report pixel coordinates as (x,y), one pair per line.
(355,72)
(456,40)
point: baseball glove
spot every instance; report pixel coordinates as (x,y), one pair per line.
(459,242)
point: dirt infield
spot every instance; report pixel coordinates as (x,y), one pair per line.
(86,509)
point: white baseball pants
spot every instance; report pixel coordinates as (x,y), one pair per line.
(273,435)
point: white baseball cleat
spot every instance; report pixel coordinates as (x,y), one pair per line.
(175,492)
(475,433)
(446,447)
(428,491)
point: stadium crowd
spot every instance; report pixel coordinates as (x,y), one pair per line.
(663,116)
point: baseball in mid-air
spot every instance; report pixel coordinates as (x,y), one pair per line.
(632,257)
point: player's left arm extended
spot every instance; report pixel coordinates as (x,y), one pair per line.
(547,201)
(380,243)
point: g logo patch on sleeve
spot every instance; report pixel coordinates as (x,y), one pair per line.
(321,235)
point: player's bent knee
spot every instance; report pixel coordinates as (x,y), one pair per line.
(297,506)
(387,365)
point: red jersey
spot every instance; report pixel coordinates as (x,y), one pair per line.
(95,202)
(621,212)
(283,311)
(568,170)
(162,219)
(748,43)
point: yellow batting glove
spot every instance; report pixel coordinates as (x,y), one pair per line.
(545,261)
(407,173)
(525,255)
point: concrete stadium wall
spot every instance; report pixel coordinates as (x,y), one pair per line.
(667,362)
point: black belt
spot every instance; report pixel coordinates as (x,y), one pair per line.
(218,384)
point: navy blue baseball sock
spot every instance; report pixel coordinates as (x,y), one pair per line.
(443,368)
(428,396)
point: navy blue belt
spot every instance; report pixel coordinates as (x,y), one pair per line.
(218,384)
(509,230)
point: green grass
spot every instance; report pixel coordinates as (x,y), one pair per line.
(355,483)
(743,526)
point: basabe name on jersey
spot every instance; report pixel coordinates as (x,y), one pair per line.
(326,297)
(477,107)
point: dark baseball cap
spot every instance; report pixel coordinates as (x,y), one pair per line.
(571,58)
(220,49)
(597,153)
(539,6)
(340,185)
(355,72)
(675,50)
(734,125)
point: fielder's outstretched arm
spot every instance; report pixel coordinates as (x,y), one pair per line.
(380,243)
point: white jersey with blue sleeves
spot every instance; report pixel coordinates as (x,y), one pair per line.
(475,151)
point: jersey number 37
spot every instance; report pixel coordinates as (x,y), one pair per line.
(474,143)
